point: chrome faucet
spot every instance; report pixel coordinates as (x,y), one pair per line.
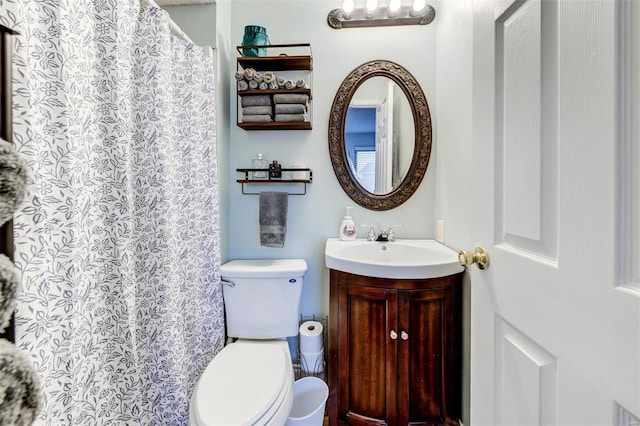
(371,234)
(385,235)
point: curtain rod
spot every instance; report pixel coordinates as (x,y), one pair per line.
(175,28)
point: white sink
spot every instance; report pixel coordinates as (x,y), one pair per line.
(400,259)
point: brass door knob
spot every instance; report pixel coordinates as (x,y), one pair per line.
(479,256)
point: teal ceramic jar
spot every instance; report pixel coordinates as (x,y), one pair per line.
(255,35)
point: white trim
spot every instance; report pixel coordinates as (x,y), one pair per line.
(622,417)
(628,143)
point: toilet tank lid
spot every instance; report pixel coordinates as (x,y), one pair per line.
(263,268)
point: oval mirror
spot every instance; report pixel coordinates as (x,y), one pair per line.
(380,135)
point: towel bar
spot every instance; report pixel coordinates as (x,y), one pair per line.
(246,180)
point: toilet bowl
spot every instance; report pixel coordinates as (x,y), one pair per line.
(250,382)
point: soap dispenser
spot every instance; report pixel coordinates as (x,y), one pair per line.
(347,227)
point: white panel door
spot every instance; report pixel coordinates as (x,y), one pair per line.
(555,319)
(384,128)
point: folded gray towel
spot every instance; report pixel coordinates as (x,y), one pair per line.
(273,218)
(290,98)
(257,110)
(291,117)
(255,100)
(291,108)
(257,118)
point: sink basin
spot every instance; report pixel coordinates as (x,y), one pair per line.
(400,259)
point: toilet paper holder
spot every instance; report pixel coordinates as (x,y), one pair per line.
(312,364)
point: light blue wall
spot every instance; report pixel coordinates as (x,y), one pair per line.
(456,179)
(198,21)
(360,131)
(316,216)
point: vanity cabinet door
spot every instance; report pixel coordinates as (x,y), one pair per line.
(395,350)
(428,357)
(366,365)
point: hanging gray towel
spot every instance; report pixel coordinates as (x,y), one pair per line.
(273,218)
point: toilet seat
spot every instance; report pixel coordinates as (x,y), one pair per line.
(247,383)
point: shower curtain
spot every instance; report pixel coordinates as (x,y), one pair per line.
(118,239)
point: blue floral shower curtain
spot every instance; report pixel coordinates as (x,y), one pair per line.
(118,239)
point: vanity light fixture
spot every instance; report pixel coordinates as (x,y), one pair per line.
(416,12)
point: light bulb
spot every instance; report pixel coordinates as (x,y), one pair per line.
(347,8)
(372,5)
(418,6)
(394,6)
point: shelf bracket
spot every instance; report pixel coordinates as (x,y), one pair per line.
(288,193)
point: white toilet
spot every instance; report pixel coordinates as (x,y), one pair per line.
(250,382)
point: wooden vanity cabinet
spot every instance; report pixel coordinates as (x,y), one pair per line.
(394,350)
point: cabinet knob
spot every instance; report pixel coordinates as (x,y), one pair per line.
(393,335)
(404,335)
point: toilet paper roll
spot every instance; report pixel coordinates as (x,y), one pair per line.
(312,363)
(311,337)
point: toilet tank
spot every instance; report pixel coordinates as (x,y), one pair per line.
(262,297)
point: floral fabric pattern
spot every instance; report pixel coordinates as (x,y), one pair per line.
(118,238)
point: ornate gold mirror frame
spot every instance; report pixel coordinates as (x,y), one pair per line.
(422,132)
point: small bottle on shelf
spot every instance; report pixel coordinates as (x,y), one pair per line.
(259,163)
(275,170)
